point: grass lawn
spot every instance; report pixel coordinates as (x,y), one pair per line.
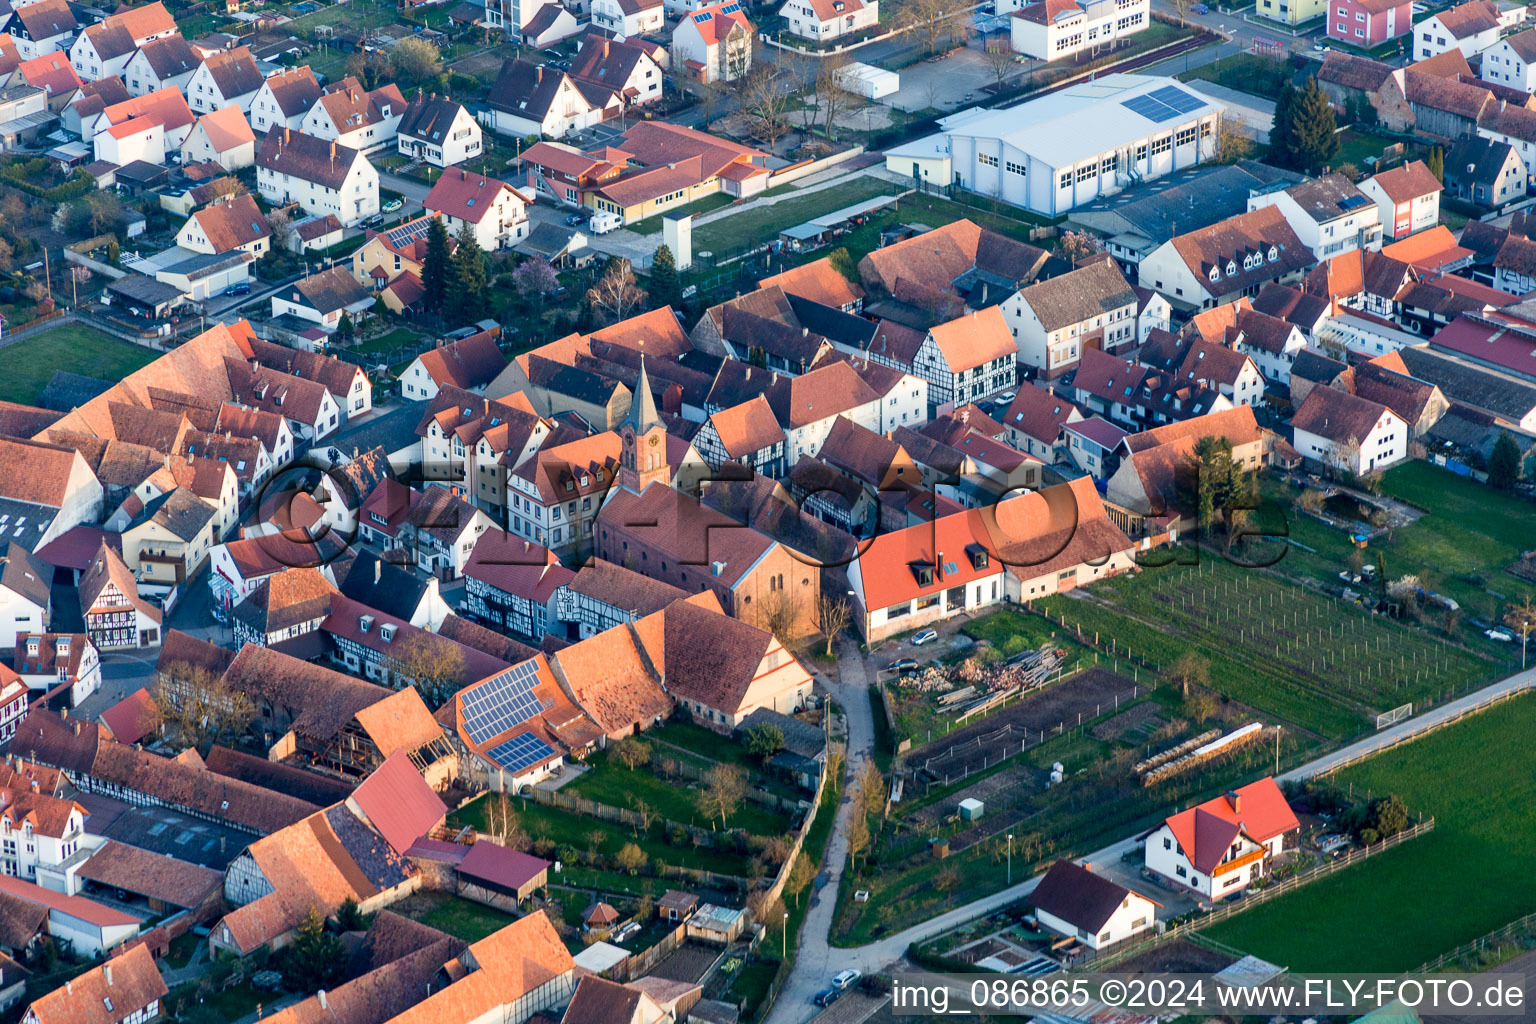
(1246,72)
(1355,146)
(1474,777)
(182,948)
(609,782)
(1308,659)
(387,342)
(708,204)
(1459,548)
(26,366)
(462,918)
(762,222)
(572,830)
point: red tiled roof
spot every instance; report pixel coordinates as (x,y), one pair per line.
(398,803)
(1205,832)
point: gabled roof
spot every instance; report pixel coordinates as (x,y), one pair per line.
(226,129)
(234,72)
(1039,414)
(170,56)
(295,90)
(429,117)
(1353,72)
(51,72)
(132,718)
(1251,236)
(115,991)
(107,567)
(1080,896)
(1079,295)
(515,566)
(398,803)
(974,340)
(46,19)
(1205,832)
(1469,19)
(816,281)
(1338,416)
(525,89)
(716,22)
(747,428)
(1414,179)
(472,362)
(465,196)
(234,223)
(307,157)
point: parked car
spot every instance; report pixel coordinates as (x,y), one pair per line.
(927,636)
(391,205)
(575,219)
(1499,635)
(902,665)
(1007,397)
(826,997)
(243,288)
(842,979)
(1200,9)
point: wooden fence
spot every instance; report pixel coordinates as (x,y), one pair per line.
(1493,940)
(1258,896)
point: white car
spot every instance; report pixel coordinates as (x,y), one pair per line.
(925,637)
(842,979)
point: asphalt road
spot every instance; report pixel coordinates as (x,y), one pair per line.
(818,959)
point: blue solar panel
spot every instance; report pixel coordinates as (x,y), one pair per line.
(503,702)
(520,752)
(1149,108)
(1177,98)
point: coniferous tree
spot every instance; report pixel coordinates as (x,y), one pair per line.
(470,300)
(664,288)
(1311,138)
(436,267)
(1436,163)
(1280,130)
(1504,463)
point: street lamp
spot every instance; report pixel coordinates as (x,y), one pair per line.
(1010,858)
(784,941)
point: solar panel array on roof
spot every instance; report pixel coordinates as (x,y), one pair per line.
(520,752)
(1163,104)
(503,702)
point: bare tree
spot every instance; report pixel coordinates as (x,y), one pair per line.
(833,96)
(947,881)
(1522,619)
(936,23)
(857,831)
(800,876)
(281,223)
(615,296)
(433,664)
(779,613)
(1231,144)
(723,789)
(1189,668)
(999,58)
(198,707)
(646,812)
(834,614)
(632,752)
(226,188)
(631,858)
(766,101)
(502,823)
(1182,8)
(1079,245)
(871,790)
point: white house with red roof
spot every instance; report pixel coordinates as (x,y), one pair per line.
(1407,197)
(1217,848)
(1052,29)
(714,43)
(829,19)
(496,212)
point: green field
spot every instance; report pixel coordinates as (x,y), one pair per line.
(608,782)
(462,918)
(1246,72)
(1459,548)
(572,830)
(1466,878)
(27,365)
(762,222)
(1311,660)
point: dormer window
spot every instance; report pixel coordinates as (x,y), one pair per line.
(1215,274)
(1274,254)
(1231,267)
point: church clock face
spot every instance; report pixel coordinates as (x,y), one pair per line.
(655,440)
(629,440)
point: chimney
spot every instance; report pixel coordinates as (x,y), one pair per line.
(378,570)
(1236,801)
(333,151)
(285,136)
(324,1003)
(106,971)
(605,49)
(77,727)
(538,79)
(938,565)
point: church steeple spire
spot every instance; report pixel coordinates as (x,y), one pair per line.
(642,405)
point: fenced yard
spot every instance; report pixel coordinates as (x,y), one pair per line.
(1311,660)
(1458,883)
(27,365)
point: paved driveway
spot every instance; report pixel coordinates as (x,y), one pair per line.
(943,84)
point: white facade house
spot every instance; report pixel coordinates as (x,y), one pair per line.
(24,594)
(1511,61)
(714,43)
(284,100)
(438,131)
(322,177)
(1052,320)
(1074,901)
(529,99)
(222,136)
(1055,153)
(1471,27)
(1053,29)
(625,18)
(496,212)
(1220,846)
(104,49)
(1407,198)
(225,78)
(166,63)
(1329,214)
(354,117)
(1347,432)
(829,19)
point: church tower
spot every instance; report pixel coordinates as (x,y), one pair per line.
(644,458)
